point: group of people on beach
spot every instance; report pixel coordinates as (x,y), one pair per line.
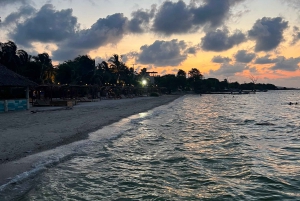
(290,103)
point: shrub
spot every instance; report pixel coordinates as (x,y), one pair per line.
(155,94)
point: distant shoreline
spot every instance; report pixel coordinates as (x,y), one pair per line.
(25,133)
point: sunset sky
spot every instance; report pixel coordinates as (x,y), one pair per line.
(225,39)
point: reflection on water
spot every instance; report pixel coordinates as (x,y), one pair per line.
(212,147)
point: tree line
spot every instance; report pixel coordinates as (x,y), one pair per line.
(83,70)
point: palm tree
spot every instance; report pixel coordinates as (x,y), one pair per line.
(181,79)
(85,69)
(23,60)
(143,75)
(8,56)
(46,71)
(64,73)
(104,72)
(117,66)
(23,56)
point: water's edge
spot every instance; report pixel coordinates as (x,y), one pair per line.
(30,167)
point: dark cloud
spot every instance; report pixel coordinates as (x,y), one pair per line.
(192,50)
(47,25)
(14,17)
(213,12)
(128,56)
(178,17)
(265,60)
(220,40)
(140,20)
(296,35)
(173,17)
(163,53)
(220,59)
(109,30)
(291,64)
(252,70)
(268,33)
(51,26)
(228,70)
(244,57)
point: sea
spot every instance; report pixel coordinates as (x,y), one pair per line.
(198,147)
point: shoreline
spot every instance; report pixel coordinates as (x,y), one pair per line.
(25,134)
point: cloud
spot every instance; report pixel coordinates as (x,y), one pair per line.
(220,40)
(293,3)
(296,35)
(8,2)
(163,72)
(244,57)
(163,53)
(228,70)
(98,60)
(179,18)
(173,17)
(219,59)
(192,50)
(175,70)
(140,20)
(267,33)
(129,56)
(109,30)
(265,60)
(60,27)
(213,12)
(291,64)
(14,17)
(47,25)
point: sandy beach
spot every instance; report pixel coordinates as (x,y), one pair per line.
(25,133)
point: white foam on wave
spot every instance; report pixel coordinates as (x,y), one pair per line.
(38,163)
(42,161)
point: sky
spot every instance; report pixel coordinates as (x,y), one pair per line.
(224,39)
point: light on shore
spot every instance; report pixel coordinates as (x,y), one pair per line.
(144,82)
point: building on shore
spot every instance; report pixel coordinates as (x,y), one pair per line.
(14,90)
(151,76)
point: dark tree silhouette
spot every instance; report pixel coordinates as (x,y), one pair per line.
(8,55)
(82,70)
(117,66)
(47,72)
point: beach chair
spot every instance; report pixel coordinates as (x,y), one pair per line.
(123,96)
(39,102)
(85,99)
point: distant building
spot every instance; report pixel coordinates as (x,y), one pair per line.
(152,75)
(14,90)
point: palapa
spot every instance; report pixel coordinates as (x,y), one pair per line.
(8,78)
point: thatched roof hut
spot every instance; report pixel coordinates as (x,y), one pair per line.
(12,85)
(8,78)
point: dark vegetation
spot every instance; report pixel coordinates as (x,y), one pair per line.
(83,70)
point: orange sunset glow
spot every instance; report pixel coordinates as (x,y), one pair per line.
(224,39)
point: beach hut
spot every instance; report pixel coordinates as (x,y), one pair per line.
(14,90)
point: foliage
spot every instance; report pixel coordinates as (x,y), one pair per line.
(154,94)
(83,70)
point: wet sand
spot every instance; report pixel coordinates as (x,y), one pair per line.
(25,133)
